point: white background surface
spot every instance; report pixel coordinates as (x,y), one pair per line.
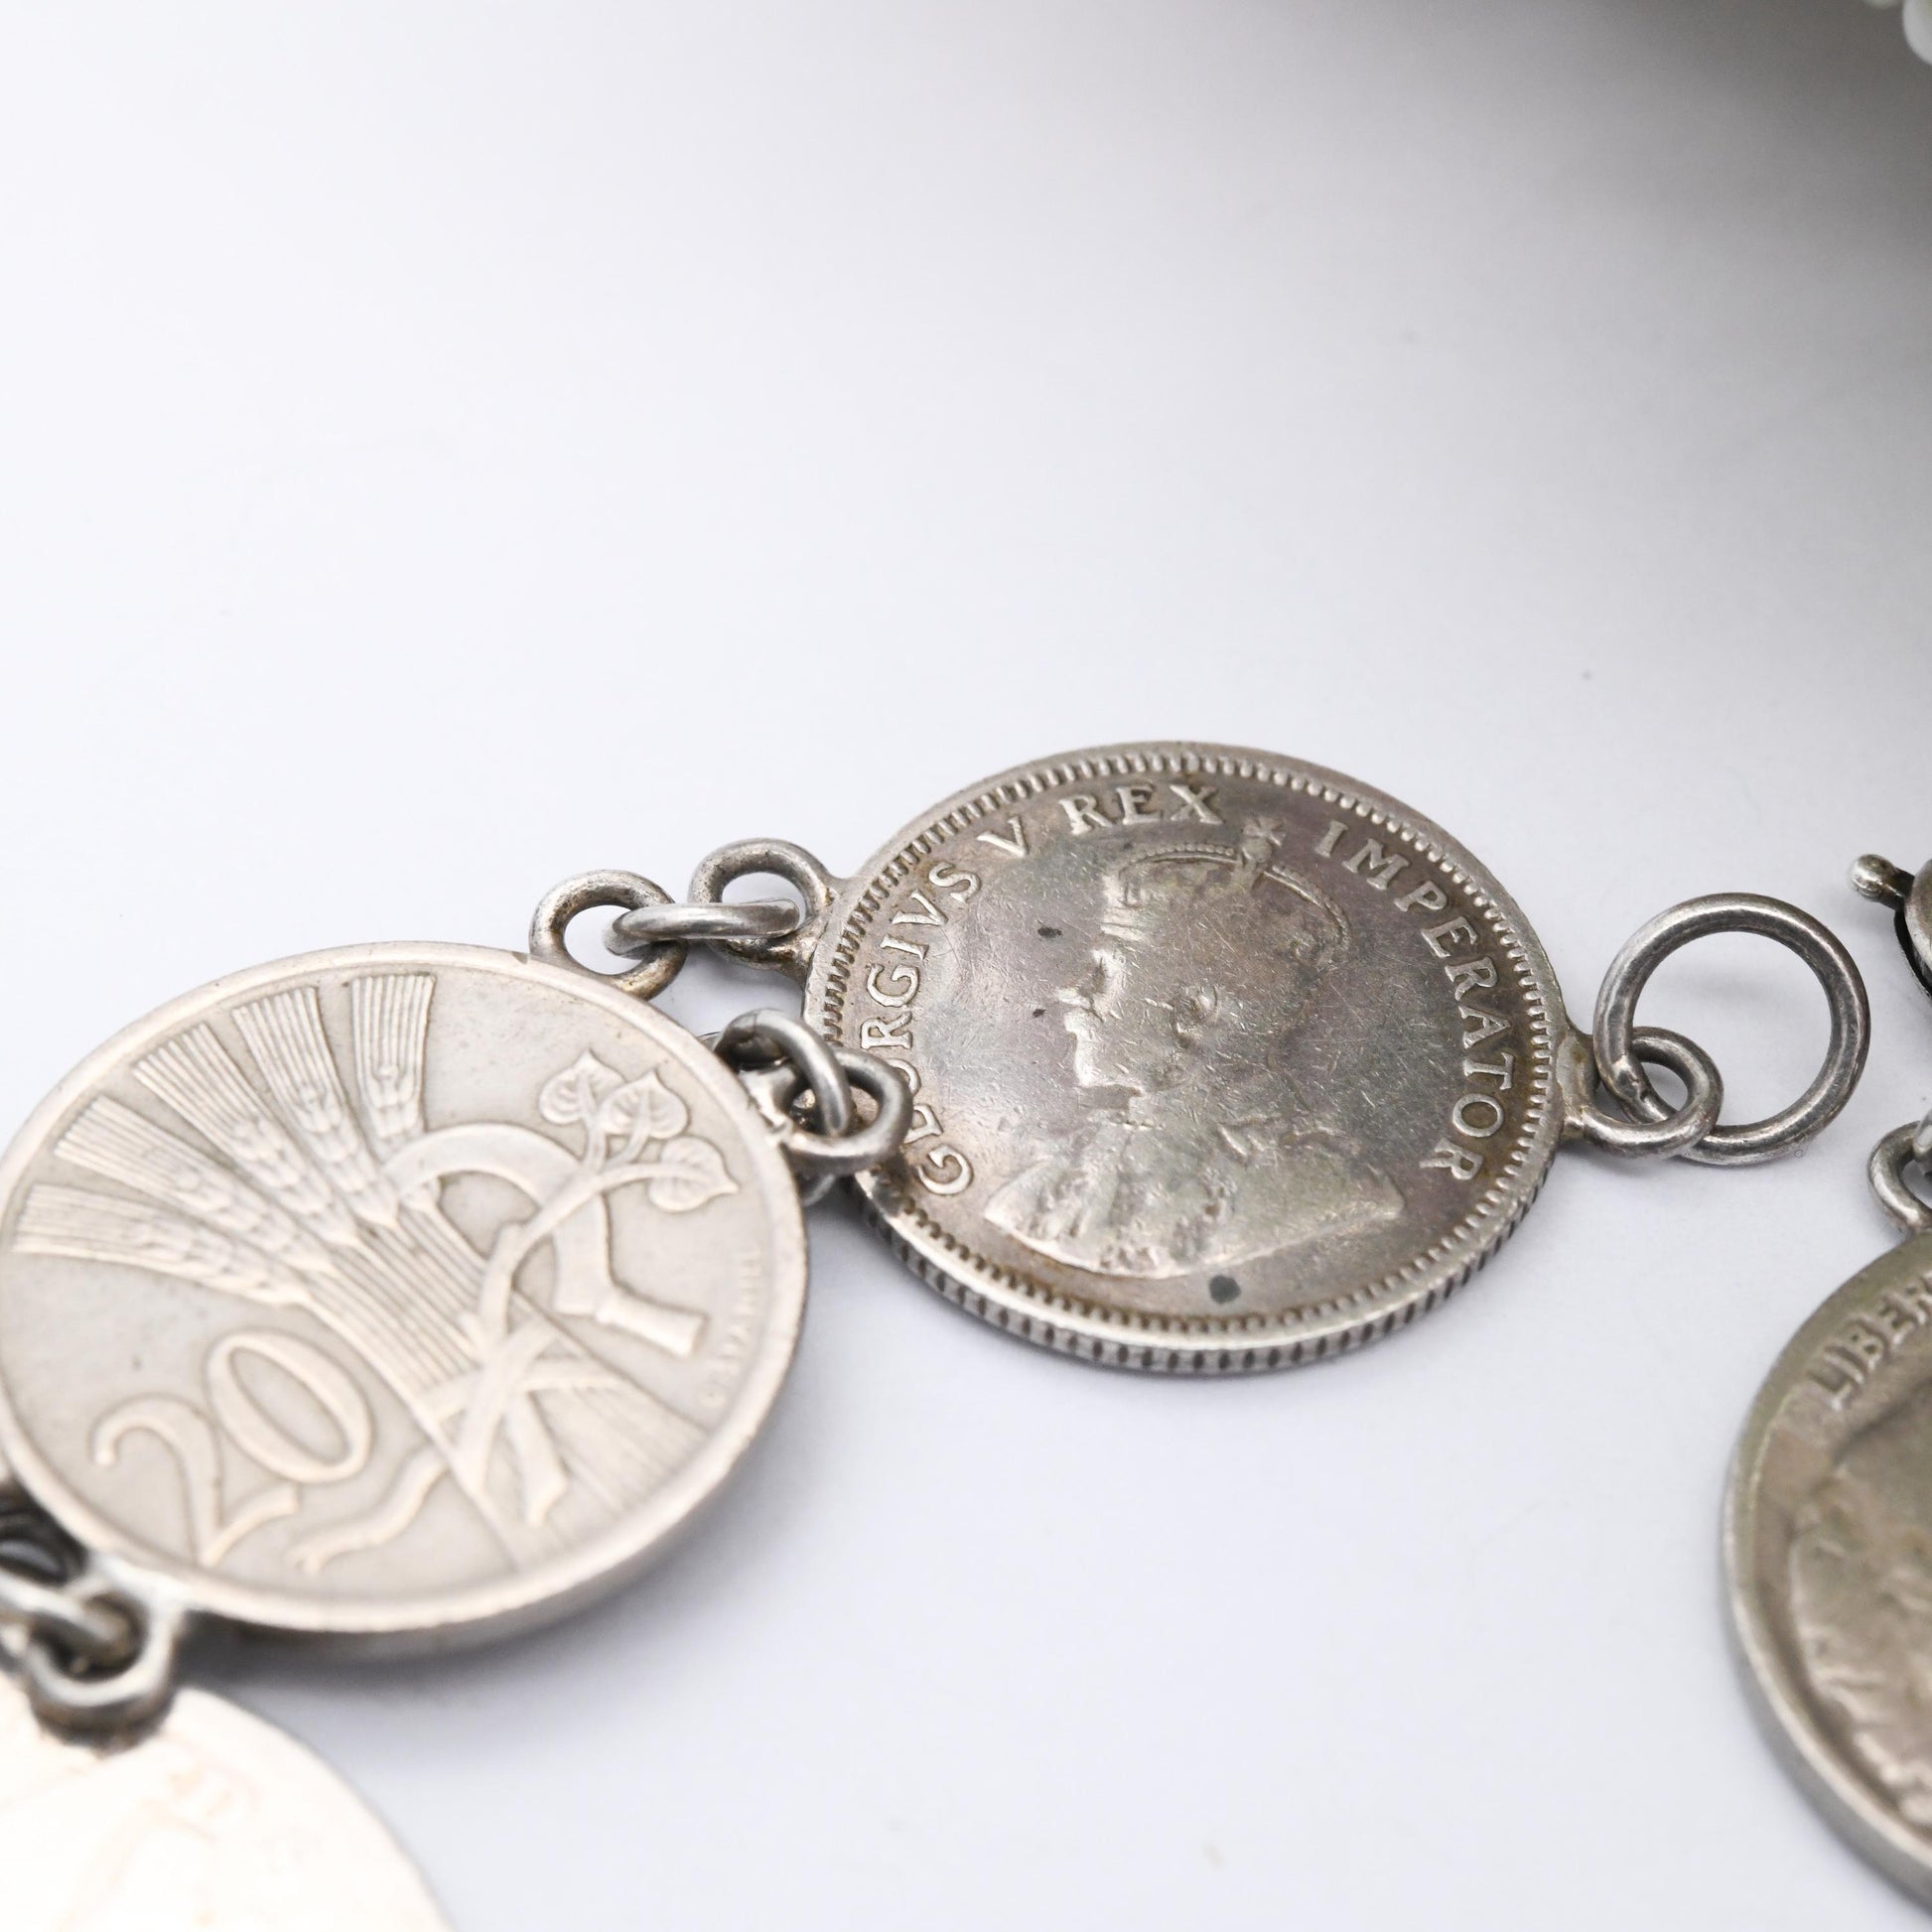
(444,448)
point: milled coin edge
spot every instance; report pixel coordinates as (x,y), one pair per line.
(1205,1344)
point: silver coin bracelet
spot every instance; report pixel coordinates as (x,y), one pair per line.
(403,1294)
(1828,1514)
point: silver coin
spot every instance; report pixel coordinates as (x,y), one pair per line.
(1223,1062)
(391,1292)
(214,1822)
(1827,1556)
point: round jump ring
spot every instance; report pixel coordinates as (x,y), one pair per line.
(1885,1171)
(68,1695)
(825,1156)
(654,970)
(767,1038)
(1676,1133)
(1772,918)
(647,927)
(791,952)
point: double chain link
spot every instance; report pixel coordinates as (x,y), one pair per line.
(1647,1124)
(803,1084)
(91,1658)
(657,931)
(804,1087)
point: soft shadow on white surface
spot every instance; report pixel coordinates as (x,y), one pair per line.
(445,450)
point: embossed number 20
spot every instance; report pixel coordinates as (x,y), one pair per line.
(195,1441)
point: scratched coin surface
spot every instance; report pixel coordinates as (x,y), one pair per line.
(1221,1061)
(1828,1549)
(214,1822)
(393,1291)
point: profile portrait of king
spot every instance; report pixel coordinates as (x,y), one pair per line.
(1196,1151)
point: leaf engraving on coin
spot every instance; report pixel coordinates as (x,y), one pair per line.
(448,1273)
(1220,1062)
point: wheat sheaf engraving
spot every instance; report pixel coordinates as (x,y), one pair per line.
(287,1194)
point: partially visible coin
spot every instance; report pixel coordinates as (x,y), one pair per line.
(395,1293)
(214,1821)
(1828,1553)
(1223,1062)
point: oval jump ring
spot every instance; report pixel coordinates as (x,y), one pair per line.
(758,920)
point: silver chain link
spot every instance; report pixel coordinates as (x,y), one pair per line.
(1677,1132)
(1621,1050)
(816,888)
(748,922)
(657,931)
(1889,1170)
(90,1657)
(782,1063)
(583,891)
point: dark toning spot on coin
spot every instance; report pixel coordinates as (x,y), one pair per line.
(1039,1013)
(1224,1287)
(1050,932)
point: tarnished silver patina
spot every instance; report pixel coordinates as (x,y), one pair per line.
(396,1293)
(1828,1521)
(1218,1060)
(1221,1060)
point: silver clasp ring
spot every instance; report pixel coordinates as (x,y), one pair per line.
(1647,949)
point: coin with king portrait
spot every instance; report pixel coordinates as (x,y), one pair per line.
(1220,1061)
(393,1292)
